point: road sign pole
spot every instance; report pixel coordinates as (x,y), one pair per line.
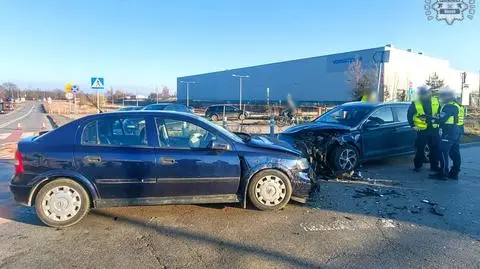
(98,102)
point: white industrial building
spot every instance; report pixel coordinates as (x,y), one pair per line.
(324,78)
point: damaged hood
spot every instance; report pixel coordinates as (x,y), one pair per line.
(269,143)
(317,126)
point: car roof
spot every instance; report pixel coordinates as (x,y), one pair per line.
(373,104)
(221,105)
(141,112)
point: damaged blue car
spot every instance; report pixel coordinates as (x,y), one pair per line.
(344,137)
(152,158)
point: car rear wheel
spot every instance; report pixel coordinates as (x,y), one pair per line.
(270,190)
(214,117)
(344,158)
(241,116)
(62,203)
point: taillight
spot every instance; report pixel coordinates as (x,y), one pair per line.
(18,163)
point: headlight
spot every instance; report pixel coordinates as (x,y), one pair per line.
(303,164)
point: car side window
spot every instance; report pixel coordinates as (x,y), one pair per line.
(383,115)
(229,109)
(128,131)
(182,134)
(402,112)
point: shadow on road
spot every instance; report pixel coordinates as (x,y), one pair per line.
(242,248)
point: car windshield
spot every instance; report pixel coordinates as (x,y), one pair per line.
(345,115)
(156,107)
(220,129)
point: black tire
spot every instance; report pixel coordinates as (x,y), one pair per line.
(273,180)
(77,194)
(214,117)
(340,154)
(242,117)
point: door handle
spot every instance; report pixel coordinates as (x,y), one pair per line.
(92,159)
(167,161)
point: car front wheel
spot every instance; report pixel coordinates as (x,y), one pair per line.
(62,203)
(270,190)
(344,158)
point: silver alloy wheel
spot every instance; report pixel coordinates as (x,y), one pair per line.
(347,159)
(61,203)
(270,190)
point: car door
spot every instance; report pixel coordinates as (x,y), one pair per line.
(231,112)
(114,152)
(404,135)
(376,133)
(187,166)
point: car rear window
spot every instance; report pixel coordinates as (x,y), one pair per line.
(116,132)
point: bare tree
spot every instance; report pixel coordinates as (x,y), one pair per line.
(434,82)
(362,81)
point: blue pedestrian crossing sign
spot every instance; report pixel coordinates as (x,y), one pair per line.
(97,83)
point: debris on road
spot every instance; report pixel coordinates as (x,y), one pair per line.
(374,192)
(367,192)
(425,201)
(437,210)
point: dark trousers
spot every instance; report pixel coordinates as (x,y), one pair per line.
(456,158)
(430,138)
(445,149)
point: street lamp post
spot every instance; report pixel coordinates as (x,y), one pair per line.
(188,89)
(240,78)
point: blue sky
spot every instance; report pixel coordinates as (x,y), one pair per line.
(141,43)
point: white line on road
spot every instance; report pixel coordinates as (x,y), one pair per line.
(4,135)
(17,119)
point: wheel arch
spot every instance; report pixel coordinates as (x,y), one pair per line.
(41,180)
(257,170)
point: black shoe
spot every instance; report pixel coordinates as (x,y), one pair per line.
(438,176)
(417,169)
(453,176)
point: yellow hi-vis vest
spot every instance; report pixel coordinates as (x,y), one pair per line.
(418,122)
(461,115)
(364,99)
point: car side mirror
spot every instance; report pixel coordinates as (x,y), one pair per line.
(370,124)
(219,146)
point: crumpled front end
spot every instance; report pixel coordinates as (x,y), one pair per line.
(316,147)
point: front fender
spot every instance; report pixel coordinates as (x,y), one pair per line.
(48,176)
(250,171)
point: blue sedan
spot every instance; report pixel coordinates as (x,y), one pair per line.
(152,158)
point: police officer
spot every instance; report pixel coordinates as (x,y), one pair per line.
(455,151)
(449,130)
(426,107)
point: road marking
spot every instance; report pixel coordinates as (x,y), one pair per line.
(17,119)
(347,225)
(4,135)
(27,134)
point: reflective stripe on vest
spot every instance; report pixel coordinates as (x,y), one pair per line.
(461,113)
(420,123)
(451,119)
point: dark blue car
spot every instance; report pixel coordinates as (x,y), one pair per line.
(152,158)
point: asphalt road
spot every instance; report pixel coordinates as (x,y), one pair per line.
(379,222)
(29,115)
